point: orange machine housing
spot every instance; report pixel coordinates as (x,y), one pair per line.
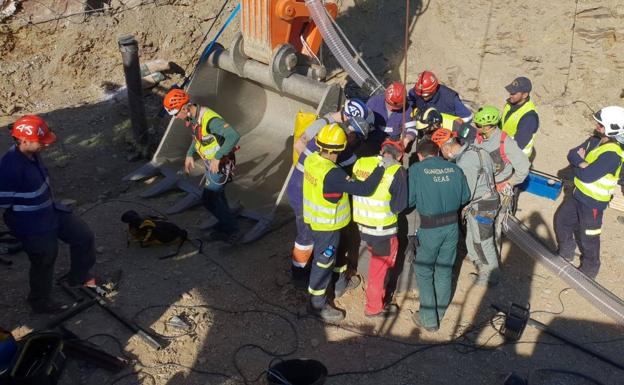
(267,24)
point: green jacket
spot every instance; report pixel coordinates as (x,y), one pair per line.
(437,186)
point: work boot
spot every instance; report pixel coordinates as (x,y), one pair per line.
(416,320)
(390,310)
(590,271)
(327,313)
(47,307)
(352,283)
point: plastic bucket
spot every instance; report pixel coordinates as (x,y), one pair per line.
(297,372)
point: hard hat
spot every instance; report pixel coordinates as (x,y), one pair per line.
(360,126)
(174,100)
(612,119)
(332,138)
(441,136)
(33,129)
(487,116)
(427,83)
(395,95)
(355,107)
(394,147)
(428,119)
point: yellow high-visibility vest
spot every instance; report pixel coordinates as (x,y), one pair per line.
(206,144)
(373,213)
(319,213)
(602,189)
(510,124)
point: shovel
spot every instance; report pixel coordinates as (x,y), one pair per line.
(264,223)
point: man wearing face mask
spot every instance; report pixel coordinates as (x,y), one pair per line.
(511,166)
(214,142)
(481,210)
(597,165)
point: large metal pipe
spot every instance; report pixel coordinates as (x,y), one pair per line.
(129,49)
(297,86)
(598,296)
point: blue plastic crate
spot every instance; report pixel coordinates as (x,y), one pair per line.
(541,184)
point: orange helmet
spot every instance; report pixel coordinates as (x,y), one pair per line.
(175,100)
(441,136)
(427,83)
(33,129)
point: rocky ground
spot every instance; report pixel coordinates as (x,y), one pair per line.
(238,300)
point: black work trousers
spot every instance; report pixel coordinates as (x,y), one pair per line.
(42,250)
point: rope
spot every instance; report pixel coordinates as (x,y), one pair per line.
(405,47)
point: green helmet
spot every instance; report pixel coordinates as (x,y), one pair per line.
(487,116)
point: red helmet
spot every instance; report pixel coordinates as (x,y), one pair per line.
(394,147)
(427,83)
(395,95)
(175,100)
(33,129)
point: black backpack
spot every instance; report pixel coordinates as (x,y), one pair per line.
(150,231)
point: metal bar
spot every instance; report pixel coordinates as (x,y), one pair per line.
(129,49)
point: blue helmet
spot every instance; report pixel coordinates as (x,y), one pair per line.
(355,108)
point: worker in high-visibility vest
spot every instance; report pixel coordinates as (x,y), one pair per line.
(214,142)
(424,122)
(519,119)
(355,118)
(326,209)
(377,220)
(597,165)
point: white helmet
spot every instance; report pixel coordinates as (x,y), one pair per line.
(612,119)
(620,138)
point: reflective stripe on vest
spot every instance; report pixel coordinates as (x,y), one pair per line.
(374,211)
(206,144)
(319,213)
(602,189)
(510,124)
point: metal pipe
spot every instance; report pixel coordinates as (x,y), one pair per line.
(297,86)
(129,49)
(598,296)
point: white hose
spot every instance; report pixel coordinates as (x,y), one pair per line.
(337,47)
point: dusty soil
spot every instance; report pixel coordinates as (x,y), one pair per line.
(239,299)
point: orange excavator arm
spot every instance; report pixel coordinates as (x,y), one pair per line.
(268,24)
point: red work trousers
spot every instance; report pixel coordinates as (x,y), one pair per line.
(377,270)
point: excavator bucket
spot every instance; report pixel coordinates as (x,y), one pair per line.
(262,109)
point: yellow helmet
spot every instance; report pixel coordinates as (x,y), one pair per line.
(331,138)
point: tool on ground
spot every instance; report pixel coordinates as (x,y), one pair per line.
(264,223)
(544,328)
(151,339)
(40,360)
(515,321)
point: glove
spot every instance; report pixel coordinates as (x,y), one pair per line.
(505,188)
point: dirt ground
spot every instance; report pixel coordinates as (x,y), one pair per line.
(238,300)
